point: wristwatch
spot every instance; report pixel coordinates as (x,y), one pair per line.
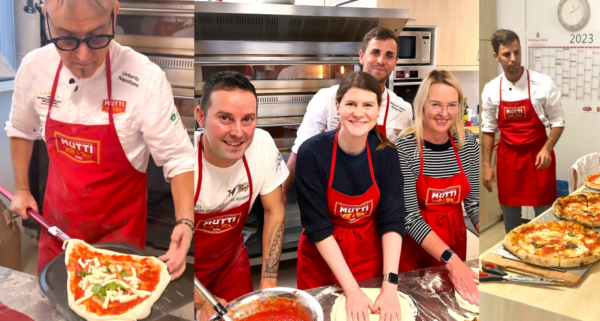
(446,256)
(391,277)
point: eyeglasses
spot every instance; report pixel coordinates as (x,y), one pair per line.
(72,43)
(436,108)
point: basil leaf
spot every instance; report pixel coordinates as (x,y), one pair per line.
(124,289)
(108,267)
(84,274)
(571,233)
(123,273)
(587,235)
(111,286)
(96,289)
(537,245)
(100,296)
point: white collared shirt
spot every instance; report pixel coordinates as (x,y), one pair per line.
(545,97)
(321,115)
(146,120)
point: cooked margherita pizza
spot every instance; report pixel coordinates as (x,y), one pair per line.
(592,181)
(583,209)
(554,244)
(106,285)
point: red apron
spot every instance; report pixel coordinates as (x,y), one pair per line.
(387,107)
(440,204)
(522,137)
(355,230)
(221,260)
(93,192)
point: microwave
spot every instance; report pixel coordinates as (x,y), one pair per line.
(414,47)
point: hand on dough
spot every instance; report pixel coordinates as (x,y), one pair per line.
(463,279)
(358,305)
(388,305)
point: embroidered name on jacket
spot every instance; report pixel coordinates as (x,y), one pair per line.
(354,213)
(118,106)
(514,112)
(78,149)
(449,195)
(218,224)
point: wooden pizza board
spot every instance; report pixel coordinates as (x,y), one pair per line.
(571,279)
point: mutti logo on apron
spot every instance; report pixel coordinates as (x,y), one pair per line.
(118,106)
(514,113)
(449,195)
(78,149)
(354,213)
(219,224)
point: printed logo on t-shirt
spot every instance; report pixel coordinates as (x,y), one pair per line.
(44,99)
(218,224)
(118,106)
(279,161)
(353,213)
(78,149)
(239,189)
(397,108)
(514,113)
(450,195)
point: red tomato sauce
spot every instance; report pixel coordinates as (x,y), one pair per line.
(277,309)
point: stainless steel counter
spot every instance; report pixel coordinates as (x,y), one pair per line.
(431,289)
(21,292)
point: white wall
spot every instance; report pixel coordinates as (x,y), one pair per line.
(581,135)
(469,82)
(6,172)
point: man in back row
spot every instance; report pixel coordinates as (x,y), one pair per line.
(520,103)
(378,56)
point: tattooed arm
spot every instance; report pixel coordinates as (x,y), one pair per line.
(272,238)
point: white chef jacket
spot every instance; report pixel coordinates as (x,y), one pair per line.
(146,121)
(321,115)
(226,188)
(545,97)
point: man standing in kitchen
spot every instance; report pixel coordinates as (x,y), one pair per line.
(378,57)
(101,109)
(236,162)
(521,104)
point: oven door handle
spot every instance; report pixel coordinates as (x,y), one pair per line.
(407,83)
(183,97)
(156,10)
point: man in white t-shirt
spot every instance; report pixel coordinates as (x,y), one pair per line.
(520,104)
(235,164)
(378,56)
(102,109)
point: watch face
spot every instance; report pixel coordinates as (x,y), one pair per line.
(446,256)
(573,14)
(393,278)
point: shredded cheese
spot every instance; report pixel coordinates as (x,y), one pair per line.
(140,293)
(85,297)
(133,271)
(105,305)
(81,263)
(127,298)
(119,268)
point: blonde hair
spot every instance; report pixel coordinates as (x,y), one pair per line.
(100,6)
(457,129)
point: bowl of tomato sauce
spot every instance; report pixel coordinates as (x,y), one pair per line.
(274,304)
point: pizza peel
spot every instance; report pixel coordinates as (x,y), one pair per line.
(53,278)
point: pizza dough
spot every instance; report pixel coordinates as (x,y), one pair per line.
(150,270)
(465,305)
(407,306)
(592,181)
(581,208)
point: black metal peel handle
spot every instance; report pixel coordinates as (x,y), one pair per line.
(494,269)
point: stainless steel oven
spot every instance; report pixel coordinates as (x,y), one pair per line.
(288,53)
(405,81)
(415,47)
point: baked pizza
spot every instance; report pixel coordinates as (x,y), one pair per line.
(592,181)
(554,244)
(583,209)
(106,285)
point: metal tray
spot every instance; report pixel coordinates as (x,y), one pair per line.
(53,282)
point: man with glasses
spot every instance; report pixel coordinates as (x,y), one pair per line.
(520,104)
(378,56)
(110,108)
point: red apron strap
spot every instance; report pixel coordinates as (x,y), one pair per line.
(529,89)
(249,177)
(370,163)
(54,86)
(387,108)
(335,142)
(109,88)
(456,153)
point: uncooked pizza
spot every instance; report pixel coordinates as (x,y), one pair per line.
(592,181)
(106,285)
(583,209)
(554,244)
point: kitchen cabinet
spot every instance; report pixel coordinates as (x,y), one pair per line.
(457,32)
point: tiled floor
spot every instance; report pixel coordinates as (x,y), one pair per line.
(287,269)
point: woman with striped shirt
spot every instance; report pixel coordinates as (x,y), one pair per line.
(440,165)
